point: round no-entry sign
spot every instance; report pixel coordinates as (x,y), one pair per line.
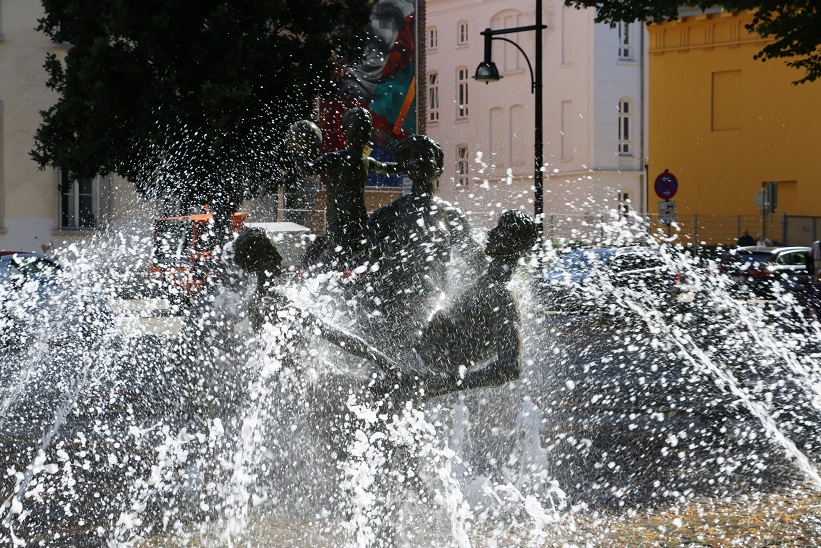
(666,185)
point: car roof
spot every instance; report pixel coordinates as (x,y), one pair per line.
(774,249)
(7,255)
(617,250)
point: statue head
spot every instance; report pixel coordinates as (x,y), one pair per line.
(512,236)
(357,124)
(254,252)
(422,159)
(304,140)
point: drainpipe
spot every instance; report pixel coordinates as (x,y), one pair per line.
(784,228)
(643,187)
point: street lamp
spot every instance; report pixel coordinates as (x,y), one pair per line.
(488,72)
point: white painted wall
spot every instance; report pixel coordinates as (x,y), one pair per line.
(29,196)
(583,81)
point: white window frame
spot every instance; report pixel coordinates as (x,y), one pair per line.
(76,210)
(433,96)
(462,89)
(433,38)
(625,127)
(625,48)
(462,165)
(462,32)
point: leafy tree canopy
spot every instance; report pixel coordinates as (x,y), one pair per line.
(794,27)
(188,99)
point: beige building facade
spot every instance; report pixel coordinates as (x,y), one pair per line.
(593,103)
(38,211)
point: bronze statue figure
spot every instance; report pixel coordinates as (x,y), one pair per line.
(414,237)
(475,341)
(303,142)
(346,172)
(255,253)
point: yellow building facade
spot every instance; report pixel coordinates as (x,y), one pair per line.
(725,124)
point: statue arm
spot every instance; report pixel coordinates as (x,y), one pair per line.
(382,168)
(356,345)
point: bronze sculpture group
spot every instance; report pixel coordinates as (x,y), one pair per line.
(407,247)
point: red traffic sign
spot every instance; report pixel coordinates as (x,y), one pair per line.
(666,185)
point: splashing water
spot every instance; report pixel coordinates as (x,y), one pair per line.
(200,430)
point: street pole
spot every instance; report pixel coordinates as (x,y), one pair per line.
(538,174)
(488,72)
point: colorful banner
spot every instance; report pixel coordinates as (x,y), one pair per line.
(384,83)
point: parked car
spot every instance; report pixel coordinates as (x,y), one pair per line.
(37,298)
(763,272)
(583,281)
(17,268)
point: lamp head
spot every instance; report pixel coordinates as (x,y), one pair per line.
(487,72)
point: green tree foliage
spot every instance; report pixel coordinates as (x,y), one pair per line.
(794,27)
(188,99)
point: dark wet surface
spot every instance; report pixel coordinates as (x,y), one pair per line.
(629,420)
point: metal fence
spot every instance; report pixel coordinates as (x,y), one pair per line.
(691,230)
(780,229)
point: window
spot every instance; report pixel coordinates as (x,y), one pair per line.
(462,33)
(624,127)
(798,258)
(63,35)
(624,202)
(624,40)
(497,137)
(462,166)
(567,35)
(78,202)
(508,56)
(566,130)
(518,154)
(462,76)
(433,38)
(433,97)
(727,89)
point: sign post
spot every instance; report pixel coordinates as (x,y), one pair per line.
(667,212)
(666,186)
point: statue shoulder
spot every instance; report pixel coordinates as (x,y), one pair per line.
(325,161)
(383,213)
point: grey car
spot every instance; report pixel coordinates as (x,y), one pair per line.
(766,272)
(583,281)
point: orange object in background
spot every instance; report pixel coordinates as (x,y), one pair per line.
(184,252)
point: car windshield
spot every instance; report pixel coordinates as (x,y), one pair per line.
(30,268)
(8,271)
(582,261)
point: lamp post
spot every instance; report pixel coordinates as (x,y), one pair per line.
(487,72)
